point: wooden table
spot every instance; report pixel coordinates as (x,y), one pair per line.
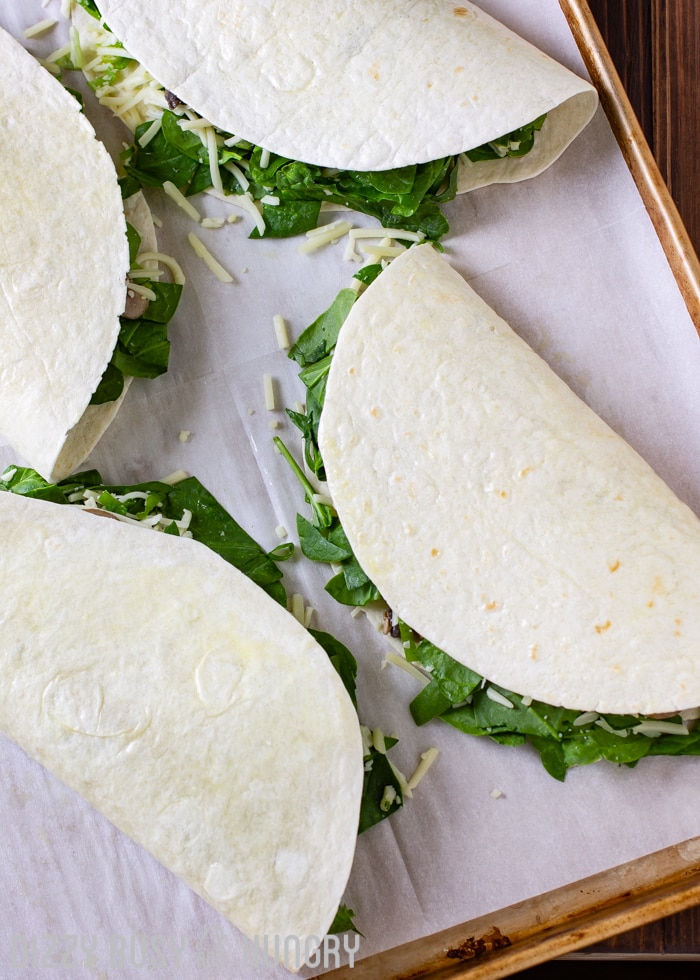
(655,45)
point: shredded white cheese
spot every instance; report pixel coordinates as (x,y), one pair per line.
(378,740)
(205,255)
(246,202)
(195,124)
(297,607)
(269,392)
(331,233)
(602,723)
(135,287)
(213,152)
(426,761)
(498,698)
(152,131)
(410,668)
(382,251)
(41,27)
(166,260)
(234,169)
(585,719)
(281,331)
(653,728)
(175,477)
(398,233)
(58,54)
(323,499)
(388,798)
(176,195)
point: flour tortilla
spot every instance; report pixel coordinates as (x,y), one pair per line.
(64,258)
(496,513)
(358,86)
(189,707)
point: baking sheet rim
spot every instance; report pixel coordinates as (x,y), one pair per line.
(657,884)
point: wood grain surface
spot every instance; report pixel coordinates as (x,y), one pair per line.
(655,45)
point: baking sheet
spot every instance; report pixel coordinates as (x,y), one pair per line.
(572,261)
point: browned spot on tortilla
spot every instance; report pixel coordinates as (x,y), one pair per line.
(477,946)
(491,605)
(459,69)
(374,412)
(460,12)
(614,567)
(650,604)
(434,552)
(374,72)
(502,493)
(533,651)
(351,370)
(604,627)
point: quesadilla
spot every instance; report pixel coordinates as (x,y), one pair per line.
(389,108)
(535,567)
(186,704)
(63,274)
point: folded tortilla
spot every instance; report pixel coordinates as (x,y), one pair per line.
(496,513)
(189,707)
(64,259)
(370,86)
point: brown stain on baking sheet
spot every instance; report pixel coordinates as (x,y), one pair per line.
(477,946)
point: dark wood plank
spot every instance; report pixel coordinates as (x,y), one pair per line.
(655,45)
(682,933)
(626,26)
(676,104)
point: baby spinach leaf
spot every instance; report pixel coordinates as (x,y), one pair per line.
(318,340)
(342,660)
(376,804)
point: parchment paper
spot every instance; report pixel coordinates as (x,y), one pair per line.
(570,259)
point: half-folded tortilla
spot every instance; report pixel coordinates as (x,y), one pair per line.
(371,86)
(496,513)
(64,260)
(189,707)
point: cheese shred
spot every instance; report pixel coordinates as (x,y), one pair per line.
(269,392)
(205,255)
(281,332)
(176,195)
(41,27)
(426,761)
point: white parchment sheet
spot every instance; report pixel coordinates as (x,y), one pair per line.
(571,260)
